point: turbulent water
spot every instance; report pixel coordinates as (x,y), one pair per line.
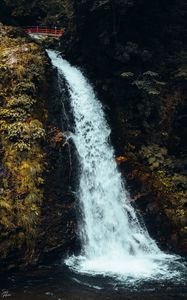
(113,240)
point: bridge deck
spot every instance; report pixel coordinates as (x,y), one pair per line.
(55,32)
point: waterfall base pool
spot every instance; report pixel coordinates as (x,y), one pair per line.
(59,283)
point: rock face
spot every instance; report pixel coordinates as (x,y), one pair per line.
(58,226)
(22,125)
(49,12)
(135,54)
(36,209)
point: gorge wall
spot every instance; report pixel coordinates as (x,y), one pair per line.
(36,205)
(135,54)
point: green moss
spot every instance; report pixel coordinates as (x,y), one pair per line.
(22,130)
(174,198)
(155,156)
(21,101)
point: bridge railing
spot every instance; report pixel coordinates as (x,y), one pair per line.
(45,30)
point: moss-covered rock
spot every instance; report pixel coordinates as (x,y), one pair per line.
(141,77)
(23,160)
(37,214)
(161,198)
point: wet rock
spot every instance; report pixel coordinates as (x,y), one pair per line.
(140,78)
(37,213)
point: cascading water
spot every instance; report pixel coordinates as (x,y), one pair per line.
(113,241)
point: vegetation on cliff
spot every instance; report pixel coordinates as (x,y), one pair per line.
(23,12)
(135,52)
(22,128)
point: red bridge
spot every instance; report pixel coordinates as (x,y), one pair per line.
(55,31)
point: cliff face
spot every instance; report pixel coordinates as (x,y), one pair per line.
(135,54)
(34,12)
(22,126)
(33,218)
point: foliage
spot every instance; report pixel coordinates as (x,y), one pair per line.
(155,156)
(22,119)
(21,101)
(50,10)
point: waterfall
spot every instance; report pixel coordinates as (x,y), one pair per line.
(113,240)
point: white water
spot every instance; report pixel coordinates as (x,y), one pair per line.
(113,241)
